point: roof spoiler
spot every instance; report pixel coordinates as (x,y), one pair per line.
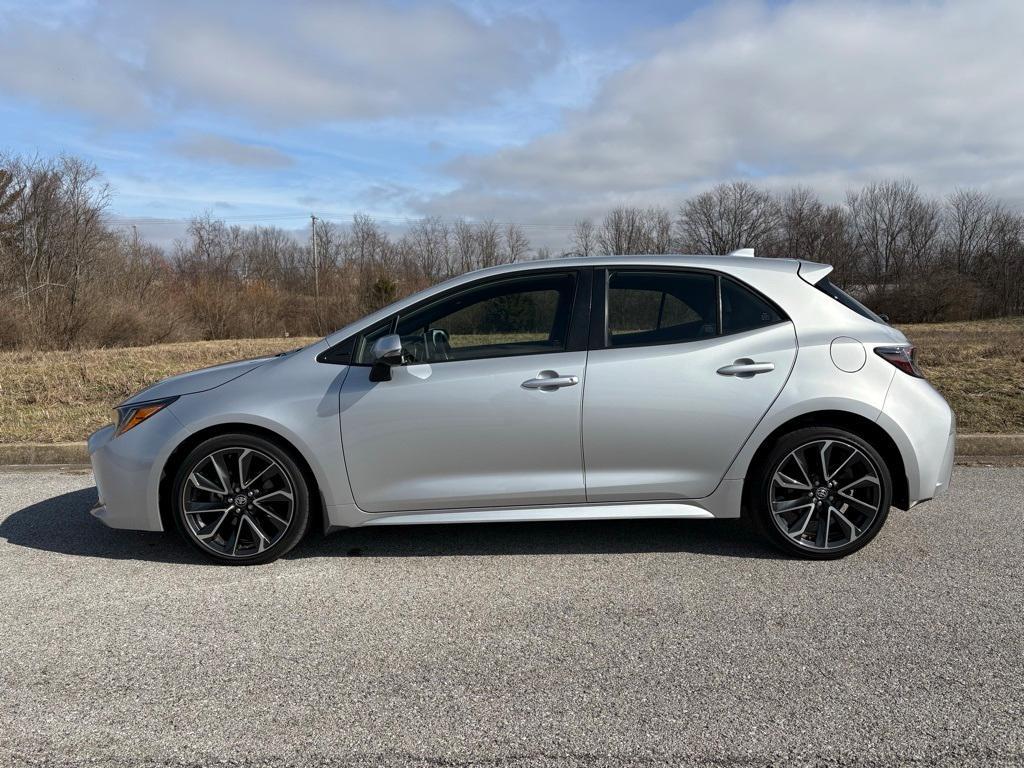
(812,271)
(748,252)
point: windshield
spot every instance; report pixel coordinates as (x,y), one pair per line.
(827,286)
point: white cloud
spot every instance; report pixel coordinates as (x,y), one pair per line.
(61,68)
(826,92)
(208,147)
(282,63)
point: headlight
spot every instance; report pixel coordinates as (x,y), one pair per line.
(130,416)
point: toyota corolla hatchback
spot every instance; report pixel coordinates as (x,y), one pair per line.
(574,389)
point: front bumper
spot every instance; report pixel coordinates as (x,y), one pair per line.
(127,472)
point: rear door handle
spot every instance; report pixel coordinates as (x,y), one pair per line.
(745,368)
(550,380)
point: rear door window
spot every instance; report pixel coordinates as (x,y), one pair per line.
(660,307)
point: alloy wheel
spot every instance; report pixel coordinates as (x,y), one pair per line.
(825,494)
(238,502)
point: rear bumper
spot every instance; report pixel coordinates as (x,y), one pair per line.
(924,428)
(945,473)
(99,510)
(946,470)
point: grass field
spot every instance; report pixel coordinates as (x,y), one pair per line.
(979,368)
(63,396)
(53,397)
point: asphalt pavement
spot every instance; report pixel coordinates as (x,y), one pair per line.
(550,644)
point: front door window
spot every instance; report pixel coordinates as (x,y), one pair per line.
(520,316)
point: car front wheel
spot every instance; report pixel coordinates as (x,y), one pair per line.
(822,493)
(241,499)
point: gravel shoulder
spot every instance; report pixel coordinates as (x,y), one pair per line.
(643,643)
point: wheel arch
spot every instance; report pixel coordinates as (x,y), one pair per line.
(181,450)
(852,422)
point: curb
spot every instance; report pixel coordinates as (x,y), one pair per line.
(18,454)
(990,445)
(43,453)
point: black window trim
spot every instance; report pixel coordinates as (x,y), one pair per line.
(599,316)
(852,303)
(576,336)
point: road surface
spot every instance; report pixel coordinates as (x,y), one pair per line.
(562,644)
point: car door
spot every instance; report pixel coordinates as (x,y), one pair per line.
(486,409)
(685,366)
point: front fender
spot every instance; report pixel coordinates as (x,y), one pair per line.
(298,403)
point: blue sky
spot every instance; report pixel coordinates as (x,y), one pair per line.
(535,112)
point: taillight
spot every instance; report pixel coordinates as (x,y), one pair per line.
(904,358)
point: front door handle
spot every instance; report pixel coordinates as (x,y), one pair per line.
(548,381)
(745,368)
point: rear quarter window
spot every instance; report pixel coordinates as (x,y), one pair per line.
(743,310)
(826,286)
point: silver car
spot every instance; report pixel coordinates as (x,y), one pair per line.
(597,388)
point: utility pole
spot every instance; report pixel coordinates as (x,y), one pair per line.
(316,273)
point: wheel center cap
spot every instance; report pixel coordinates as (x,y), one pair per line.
(821,493)
(241,500)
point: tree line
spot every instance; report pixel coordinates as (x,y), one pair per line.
(69,278)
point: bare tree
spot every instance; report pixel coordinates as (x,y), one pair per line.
(726,218)
(53,239)
(1000,268)
(11,190)
(517,246)
(488,244)
(430,249)
(466,247)
(893,229)
(584,238)
(657,224)
(967,229)
(623,231)
(68,277)
(376,259)
(809,229)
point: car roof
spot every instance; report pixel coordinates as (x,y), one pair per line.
(724,263)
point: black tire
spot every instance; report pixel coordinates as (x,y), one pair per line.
(764,489)
(261,529)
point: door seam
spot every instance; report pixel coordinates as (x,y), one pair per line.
(583,450)
(789,375)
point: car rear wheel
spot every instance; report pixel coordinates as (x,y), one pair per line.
(822,493)
(241,499)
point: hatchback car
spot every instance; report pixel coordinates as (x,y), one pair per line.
(573,389)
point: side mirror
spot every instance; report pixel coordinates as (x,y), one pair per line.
(386,352)
(388,349)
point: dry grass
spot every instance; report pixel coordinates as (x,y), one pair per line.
(57,396)
(62,396)
(979,368)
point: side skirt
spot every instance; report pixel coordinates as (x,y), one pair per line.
(723,503)
(518,515)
